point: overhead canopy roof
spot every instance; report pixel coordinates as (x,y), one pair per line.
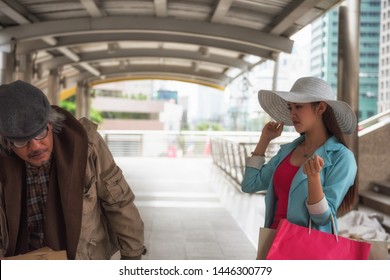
(204,41)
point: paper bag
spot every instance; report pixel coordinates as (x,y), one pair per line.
(295,242)
(379,249)
(266,237)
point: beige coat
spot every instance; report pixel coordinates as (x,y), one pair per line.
(104,221)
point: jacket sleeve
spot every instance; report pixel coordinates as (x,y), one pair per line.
(338,178)
(117,201)
(258,175)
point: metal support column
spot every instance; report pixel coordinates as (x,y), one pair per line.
(5,77)
(87,103)
(79,99)
(348,63)
(82,100)
(53,87)
(8,64)
(24,68)
(276,71)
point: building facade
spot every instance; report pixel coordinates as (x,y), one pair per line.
(384,66)
(324,53)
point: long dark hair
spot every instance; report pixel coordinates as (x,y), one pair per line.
(333,129)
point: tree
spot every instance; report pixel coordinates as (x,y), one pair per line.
(209,126)
(70,105)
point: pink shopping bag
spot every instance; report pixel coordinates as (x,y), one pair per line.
(294,242)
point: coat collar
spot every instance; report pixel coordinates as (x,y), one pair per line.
(71,152)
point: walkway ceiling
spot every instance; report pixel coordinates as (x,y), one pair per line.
(204,41)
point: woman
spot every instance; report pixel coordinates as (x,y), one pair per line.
(311,177)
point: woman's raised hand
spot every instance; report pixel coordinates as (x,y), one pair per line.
(313,165)
(272,130)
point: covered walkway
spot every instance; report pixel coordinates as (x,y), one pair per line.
(191,211)
(67,47)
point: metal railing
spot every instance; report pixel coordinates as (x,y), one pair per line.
(157,143)
(375,119)
(142,143)
(228,150)
(373,123)
(230,155)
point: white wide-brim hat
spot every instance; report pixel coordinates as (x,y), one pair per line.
(307,90)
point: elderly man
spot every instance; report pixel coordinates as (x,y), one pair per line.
(59,184)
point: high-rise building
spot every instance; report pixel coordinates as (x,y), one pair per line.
(244,111)
(325,49)
(384,65)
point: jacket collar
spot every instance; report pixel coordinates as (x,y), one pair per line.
(331,144)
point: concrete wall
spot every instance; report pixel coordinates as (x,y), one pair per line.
(112,104)
(374,156)
(119,124)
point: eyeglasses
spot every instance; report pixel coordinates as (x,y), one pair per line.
(40,136)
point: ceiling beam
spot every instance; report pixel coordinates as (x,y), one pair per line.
(158,69)
(69,54)
(291,14)
(161,8)
(92,9)
(221,10)
(61,61)
(13,14)
(75,58)
(90,69)
(153,72)
(73,41)
(202,31)
(20,19)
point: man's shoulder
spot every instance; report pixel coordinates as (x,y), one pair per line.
(88,125)
(91,129)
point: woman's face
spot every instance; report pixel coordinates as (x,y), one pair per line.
(304,116)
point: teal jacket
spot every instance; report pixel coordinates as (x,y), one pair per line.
(337,176)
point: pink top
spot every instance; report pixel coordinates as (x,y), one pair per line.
(284,174)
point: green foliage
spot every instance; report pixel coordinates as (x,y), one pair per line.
(209,126)
(70,105)
(139,96)
(126,115)
(95,115)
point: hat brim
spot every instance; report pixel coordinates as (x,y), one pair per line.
(28,137)
(275,104)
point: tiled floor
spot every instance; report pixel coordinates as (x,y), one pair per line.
(191,211)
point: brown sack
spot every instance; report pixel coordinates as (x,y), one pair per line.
(41,254)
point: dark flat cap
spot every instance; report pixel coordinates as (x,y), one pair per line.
(24,111)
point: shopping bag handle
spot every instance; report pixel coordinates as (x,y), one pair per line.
(333,227)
